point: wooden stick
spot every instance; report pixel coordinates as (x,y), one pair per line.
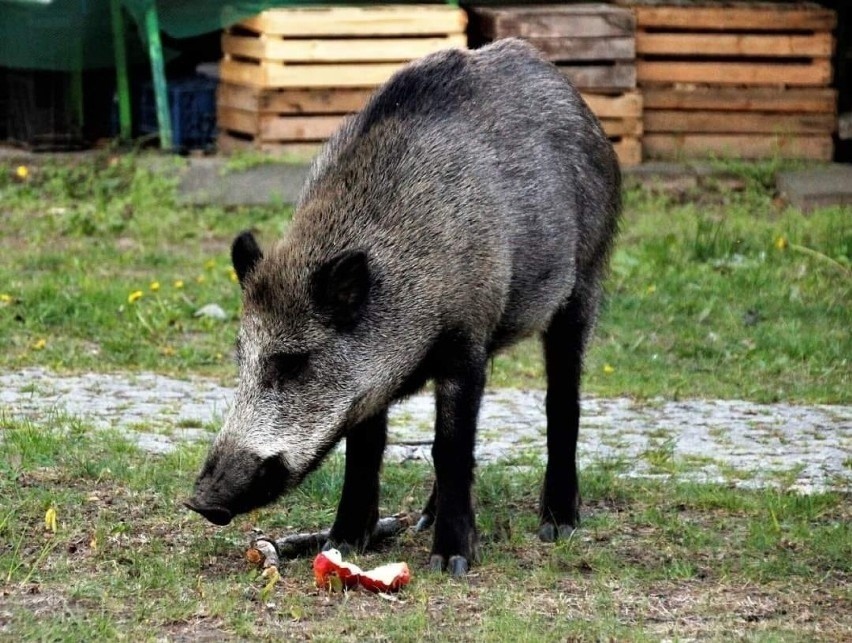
(268,552)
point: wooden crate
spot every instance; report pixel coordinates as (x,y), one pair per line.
(336,47)
(593,44)
(745,80)
(754,44)
(621,117)
(266,118)
(284,120)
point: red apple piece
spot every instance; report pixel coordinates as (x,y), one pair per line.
(330,564)
(387,578)
(330,567)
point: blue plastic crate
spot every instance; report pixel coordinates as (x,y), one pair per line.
(192,105)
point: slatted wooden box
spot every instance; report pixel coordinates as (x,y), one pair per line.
(735,79)
(593,45)
(289,76)
(621,117)
(281,120)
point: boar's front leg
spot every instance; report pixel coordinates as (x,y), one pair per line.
(358,511)
(458,397)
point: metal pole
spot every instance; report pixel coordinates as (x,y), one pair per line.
(76,88)
(122,83)
(155,53)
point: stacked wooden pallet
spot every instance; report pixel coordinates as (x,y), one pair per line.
(743,80)
(290,76)
(593,45)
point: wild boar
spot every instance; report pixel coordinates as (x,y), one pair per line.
(472,203)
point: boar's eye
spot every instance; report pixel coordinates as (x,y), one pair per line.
(283,367)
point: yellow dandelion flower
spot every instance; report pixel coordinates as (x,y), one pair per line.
(135,296)
(22,172)
(155,286)
(232,274)
(50,519)
(651,289)
(209,264)
(178,283)
(5,299)
(39,344)
(200,279)
(608,369)
(781,243)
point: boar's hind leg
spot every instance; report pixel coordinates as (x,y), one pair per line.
(358,511)
(564,342)
(458,396)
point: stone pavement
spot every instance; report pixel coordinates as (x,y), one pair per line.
(817,187)
(806,448)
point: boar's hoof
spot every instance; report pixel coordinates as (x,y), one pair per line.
(424,522)
(457,565)
(437,563)
(344,548)
(549,533)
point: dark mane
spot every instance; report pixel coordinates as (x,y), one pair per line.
(427,89)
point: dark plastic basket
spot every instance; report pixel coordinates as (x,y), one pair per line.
(37,111)
(192,105)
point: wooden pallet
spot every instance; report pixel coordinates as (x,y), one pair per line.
(754,44)
(337,46)
(627,149)
(742,146)
(742,99)
(748,80)
(752,123)
(275,116)
(621,117)
(272,119)
(593,44)
(340,100)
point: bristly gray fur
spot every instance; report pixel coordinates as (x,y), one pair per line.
(484,195)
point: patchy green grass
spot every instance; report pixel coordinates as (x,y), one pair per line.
(651,561)
(105,271)
(713,293)
(720,294)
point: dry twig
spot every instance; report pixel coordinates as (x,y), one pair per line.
(268,552)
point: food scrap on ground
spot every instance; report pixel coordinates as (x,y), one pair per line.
(262,552)
(332,572)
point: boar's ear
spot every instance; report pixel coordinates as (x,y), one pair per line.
(341,286)
(245,253)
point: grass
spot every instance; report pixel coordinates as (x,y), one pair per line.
(716,293)
(105,271)
(652,560)
(713,293)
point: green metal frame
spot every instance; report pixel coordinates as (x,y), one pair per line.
(158,73)
(125,124)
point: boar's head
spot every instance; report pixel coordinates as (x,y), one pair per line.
(302,353)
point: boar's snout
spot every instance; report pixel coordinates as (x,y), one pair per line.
(217,515)
(235,483)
